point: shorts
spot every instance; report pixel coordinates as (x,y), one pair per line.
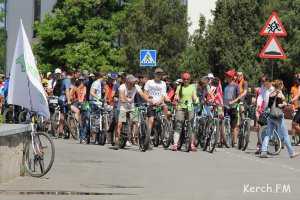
(297,117)
(122,116)
(180,115)
(151,111)
(233,114)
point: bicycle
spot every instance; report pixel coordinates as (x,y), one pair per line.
(71,125)
(185,136)
(143,129)
(212,130)
(125,131)
(54,115)
(275,143)
(244,129)
(160,132)
(35,152)
(199,125)
(99,121)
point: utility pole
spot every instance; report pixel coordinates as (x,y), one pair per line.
(5,35)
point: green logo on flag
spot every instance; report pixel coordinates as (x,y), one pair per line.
(21,61)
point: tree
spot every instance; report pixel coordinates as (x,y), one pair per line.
(155,24)
(195,57)
(80,34)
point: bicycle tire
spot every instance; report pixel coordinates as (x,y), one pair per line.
(8,116)
(155,133)
(214,137)
(54,122)
(208,129)
(227,134)
(247,135)
(22,117)
(144,136)
(73,127)
(26,154)
(123,136)
(241,138)
(166,133)
(273,141)
(201,133)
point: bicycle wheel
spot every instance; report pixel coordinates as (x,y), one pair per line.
(214,136)
(241,138)
(208,132)
(246,135)
(144,136)
(23,117)
(155,134)
(8,116)
(274,145)
(103,133)
(123,136)
(167,129)
(73,127)
(227,133)
(38,164)
(201,133)
(54,122)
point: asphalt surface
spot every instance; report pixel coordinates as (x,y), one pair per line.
(98,172)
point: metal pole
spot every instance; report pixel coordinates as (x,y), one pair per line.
(5,35)
(272,73)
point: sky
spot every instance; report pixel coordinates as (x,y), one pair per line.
(197,7)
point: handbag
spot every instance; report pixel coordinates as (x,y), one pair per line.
(276,113)
(263,119)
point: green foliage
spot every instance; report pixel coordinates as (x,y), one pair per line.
(155,24)
(79,35)
(232,40)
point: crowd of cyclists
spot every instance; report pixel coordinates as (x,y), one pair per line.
(181,114)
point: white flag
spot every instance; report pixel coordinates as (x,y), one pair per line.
(25,87)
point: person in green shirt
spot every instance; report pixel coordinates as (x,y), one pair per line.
(185,96)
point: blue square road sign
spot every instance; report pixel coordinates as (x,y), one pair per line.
(148,58)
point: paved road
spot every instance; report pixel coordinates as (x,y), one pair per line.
(80,171)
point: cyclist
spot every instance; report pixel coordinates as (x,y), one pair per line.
(186,95)
(277,95)
(262,102)
(156,91)
(78,97)
(127,92)
(295,94)
(243,86)
(231,97)
(62,90)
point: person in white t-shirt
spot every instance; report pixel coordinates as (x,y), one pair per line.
(127,92)
(156,90)
(96,88)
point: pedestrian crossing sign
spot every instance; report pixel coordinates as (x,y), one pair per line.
(148,58)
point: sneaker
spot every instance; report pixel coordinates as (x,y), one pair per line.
(174,147)
(264,155)
(295,155)
(128,144)
(193,148)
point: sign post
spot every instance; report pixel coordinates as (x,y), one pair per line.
(272,49)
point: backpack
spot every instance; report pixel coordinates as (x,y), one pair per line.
(57,88)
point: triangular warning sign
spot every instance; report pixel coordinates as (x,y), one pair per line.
(273,27)
(148,59)
(272,50)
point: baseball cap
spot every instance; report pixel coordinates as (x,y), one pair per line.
(158,70)
(230,73)
(210,75)
(131,78)
(57,71)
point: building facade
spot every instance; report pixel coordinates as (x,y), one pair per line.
(27,10)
